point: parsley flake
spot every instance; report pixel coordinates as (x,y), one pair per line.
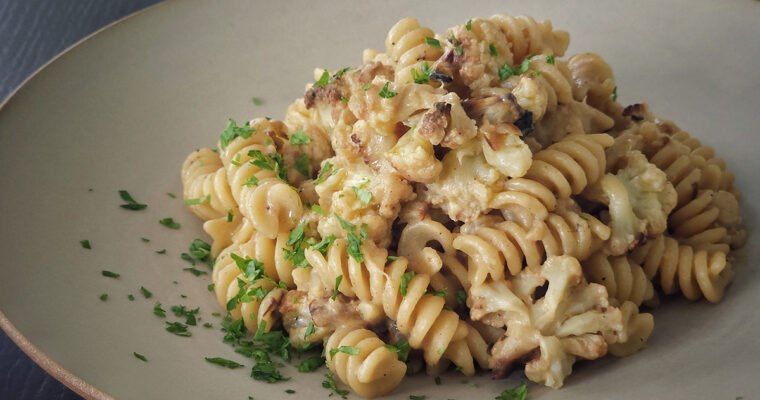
(157,310)
(104,297)
(140,356)
(468,25)
(440,293)
(505,72)
(131,203)
(432,42)
(352,351)
(172,195)
(550,59)
(85,244)
(413,397)
(210,287)
(311,364)
(145,292)
(257,101)
(302,165)
(299,137)
(354,247)
(110,274)
(192,202)
(178,329)
(324,173)
(194,271)
(337,284)
(401,347)
(323,80)
(424,75)
(329,383)
(614,94)
(230,215)
(366,87)
(309,330)
(363,195)
(405,279)
(223,362)
(131,297)
(345,224)
(386,93)
(232,131)
(162,251)
(392,258)
(317,209)
(461,297)
(169,223)
(344,99)
(200,249)
(251,181)
(518,393)
(492,49)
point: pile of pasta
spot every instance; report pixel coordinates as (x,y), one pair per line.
(472,194)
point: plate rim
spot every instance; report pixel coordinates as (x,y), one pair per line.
(42,359)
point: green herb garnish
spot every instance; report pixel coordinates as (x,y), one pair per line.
(461,297)
(518,393)
(131,203)
(329,383)
(169,223)
(317,209)
(162,251)
(110,274)
(145,292)
(614,94)
(337,284)
(192,202)
(178,329)
(232,131)
(194,271)
(352,351)
(85,243)
(140,356)
(364,195)
(223,362)
(157,310)
(200,249)
(311,364)
(550,59)
(492,49)
(432,42)
(104,297)
(323,80)
(302,165)
(440,293)
(505,72)
(299,137)
(402,348)
(405,279)
(386,93)
(324,173)
(468,25)
(424,75)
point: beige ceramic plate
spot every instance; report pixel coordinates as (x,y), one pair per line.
(121,111)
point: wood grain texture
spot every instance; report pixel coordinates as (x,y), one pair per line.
(31,33)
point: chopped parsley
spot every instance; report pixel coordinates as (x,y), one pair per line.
(251,181)
(232,131)
(157,310)
(324,173)
(329,383)
(299,138)
(524,66)
(337,284)
(210,287)
(162,251)
(323,80)
(85,243)
(505,72)
(344,99)
(461,297)
(354,248)
(140,356)
(424,75)
(257,101)
(110,274)
(437,380)
(324,244)
(386,93)
(187,257)
(550,59)
(194,271)
(302,165)
(363,195)
(172,195)
(131,203)
(432,42)
(104,297)
(392,258)
(178,329)
(289,391)
(582,216)
(199,200)
(535,73)
(441,350)
(364,232)
(405,279)
(311,364)
(189,315)
(223,362)
(366,86)
(468,25)
(440,293)
(230,215)
(273,162)
(145,292)
(265,370)
(614,94)
(200,249)
(492,49)
(402,348)
(340,72)
(169,223)
(317,209)
(345,224)
(413,397)
(352,351)
(131,297)
(207,324)
(518,393)
(309,330)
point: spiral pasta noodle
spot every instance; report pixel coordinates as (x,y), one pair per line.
(558,171)
(373,372)
(526,36)
(695,273)
(268,202)
(204,180)
(624,279)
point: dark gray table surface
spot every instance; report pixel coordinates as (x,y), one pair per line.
(31,33)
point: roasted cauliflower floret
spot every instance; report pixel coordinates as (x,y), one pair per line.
(639,197)
(572,319)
